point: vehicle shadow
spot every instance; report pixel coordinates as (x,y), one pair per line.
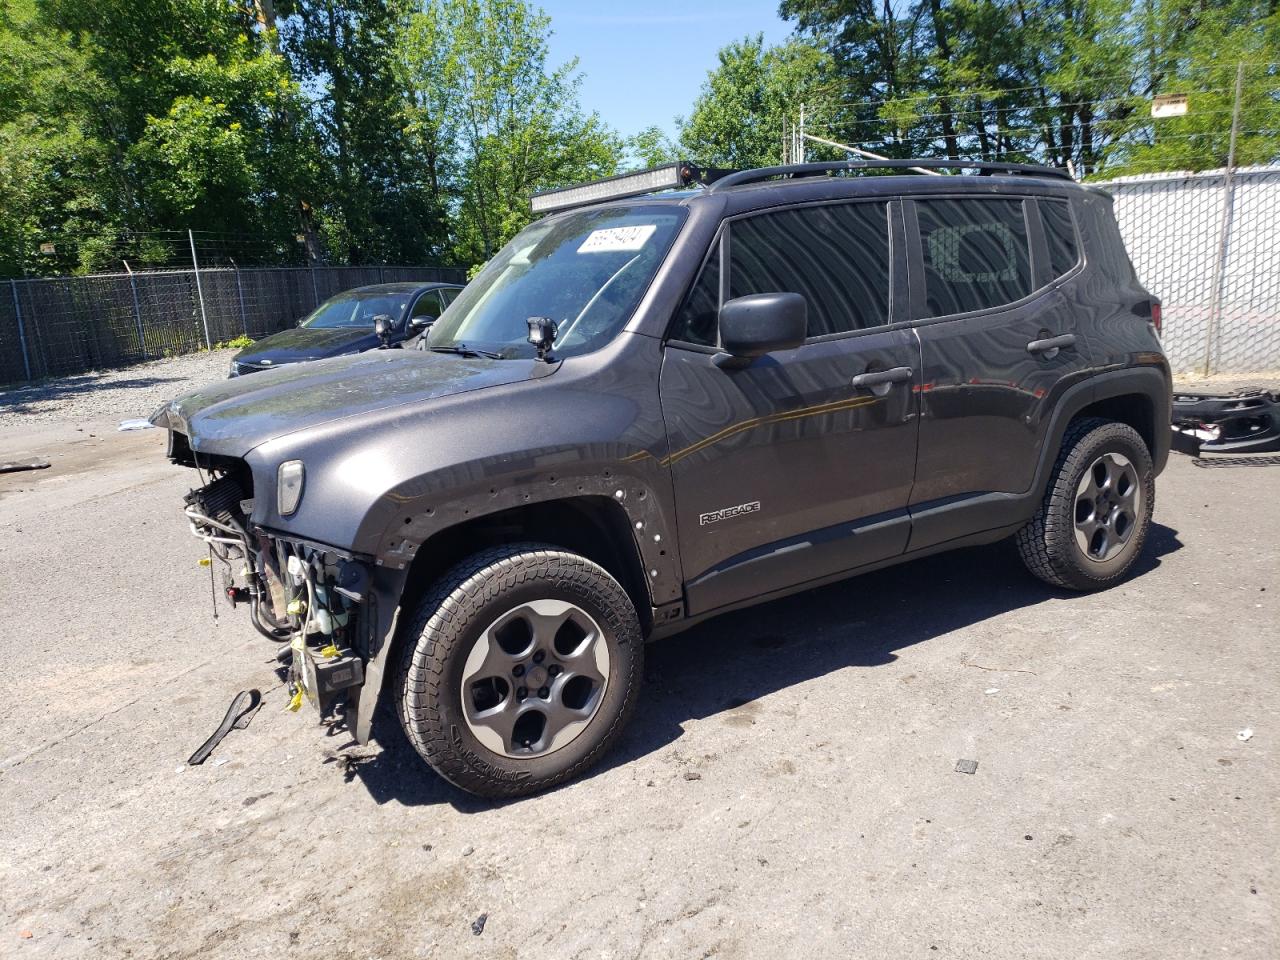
(729,661)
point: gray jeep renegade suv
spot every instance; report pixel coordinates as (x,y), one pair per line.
(647,411)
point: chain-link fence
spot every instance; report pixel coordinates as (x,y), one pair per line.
(69,325)
(1220,288)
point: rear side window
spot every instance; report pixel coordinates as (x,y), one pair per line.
(1059,235)
(835,255)
(975,254)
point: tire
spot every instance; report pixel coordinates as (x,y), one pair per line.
(487,604)
(1087,533)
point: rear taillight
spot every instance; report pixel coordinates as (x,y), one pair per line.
(1157,318)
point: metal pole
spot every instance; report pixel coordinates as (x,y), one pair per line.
(244,320)
(22,333)
(1224,237)
(867,153)
(199,290)
(315,294)
(802,133)
(137,311)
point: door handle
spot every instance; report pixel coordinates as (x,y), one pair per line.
(882,377)
(1052,345)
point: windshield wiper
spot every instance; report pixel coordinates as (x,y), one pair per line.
(463,350)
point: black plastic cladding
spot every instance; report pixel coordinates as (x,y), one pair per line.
(814,478)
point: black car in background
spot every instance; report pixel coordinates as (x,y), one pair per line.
(344,324)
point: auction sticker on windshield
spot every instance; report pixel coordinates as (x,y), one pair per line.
(614,239)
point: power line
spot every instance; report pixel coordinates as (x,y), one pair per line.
(1119,73)
(1029,107)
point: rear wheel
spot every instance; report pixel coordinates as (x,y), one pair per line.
(1093,521)
(519,669)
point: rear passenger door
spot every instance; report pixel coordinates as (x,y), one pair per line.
(998,346)
(787,471)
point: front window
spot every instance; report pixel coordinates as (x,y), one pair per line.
(355,309)
(586,271)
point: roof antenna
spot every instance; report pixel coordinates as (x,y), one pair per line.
(542,334)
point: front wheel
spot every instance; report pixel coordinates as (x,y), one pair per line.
(1093,521)
(519,669)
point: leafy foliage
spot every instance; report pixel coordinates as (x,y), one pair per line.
(415,130)
(1066,82)
(483,95)
(750,100)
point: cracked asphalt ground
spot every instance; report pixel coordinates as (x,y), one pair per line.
(788,786)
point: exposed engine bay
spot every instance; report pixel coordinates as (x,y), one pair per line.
(309,596)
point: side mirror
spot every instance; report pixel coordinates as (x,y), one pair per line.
(383,326)
(418,324)
(761,323)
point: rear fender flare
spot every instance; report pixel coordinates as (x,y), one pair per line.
(1151,382)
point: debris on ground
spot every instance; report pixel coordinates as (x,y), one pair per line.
(1244,734)
(966,766)
(468,851)
(1243,421)
(15,466)
(692,775)
(237,717)
(135,423)
(477,925)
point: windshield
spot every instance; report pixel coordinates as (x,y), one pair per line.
(354,309)
(586,271)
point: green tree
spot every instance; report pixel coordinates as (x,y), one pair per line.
(651,147)
(51,161)
(1066,82)
(750,100)
(483,95)
(122,119)
(379,201)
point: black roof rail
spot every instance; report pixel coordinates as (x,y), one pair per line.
(984,168)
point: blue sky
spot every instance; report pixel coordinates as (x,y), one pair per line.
(643,62)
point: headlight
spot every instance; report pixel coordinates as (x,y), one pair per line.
(289,486)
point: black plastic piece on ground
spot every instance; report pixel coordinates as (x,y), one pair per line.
(14,466)
(241,711)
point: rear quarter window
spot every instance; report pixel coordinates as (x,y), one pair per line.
(976,254)
(1059,235)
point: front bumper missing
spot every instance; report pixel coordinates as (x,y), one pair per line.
(1247,421)
(312,595)
(326,676)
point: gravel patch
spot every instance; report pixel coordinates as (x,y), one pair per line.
(111,394)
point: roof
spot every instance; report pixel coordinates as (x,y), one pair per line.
(401,286)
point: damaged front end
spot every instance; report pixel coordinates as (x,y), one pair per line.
(1247,421)
(313,597)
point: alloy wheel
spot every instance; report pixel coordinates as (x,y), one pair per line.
(1108,505)
(535,678)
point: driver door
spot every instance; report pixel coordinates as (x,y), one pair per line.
(786,471)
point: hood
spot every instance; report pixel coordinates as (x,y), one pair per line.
(307,343)
(231,417)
